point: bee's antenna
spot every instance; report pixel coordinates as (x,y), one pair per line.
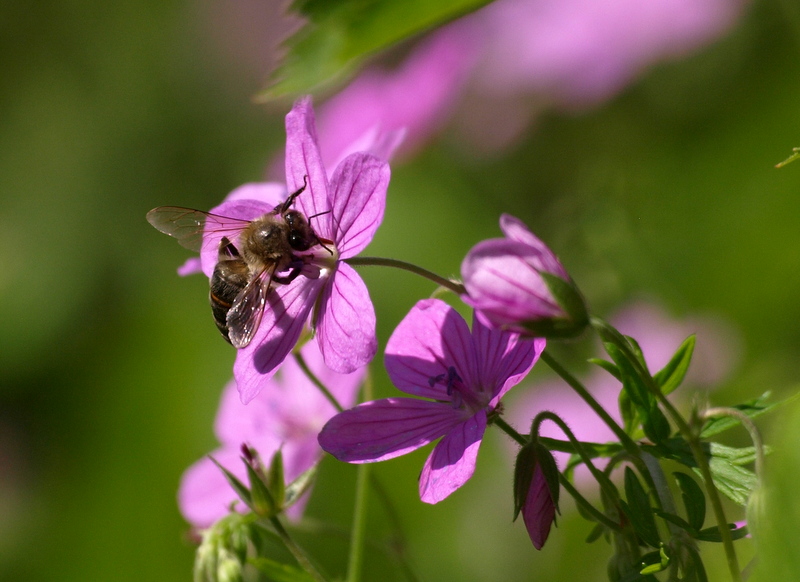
(280,209)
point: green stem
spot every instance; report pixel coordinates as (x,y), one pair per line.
(355,560)
(623,437)
(456,288)
(313,377)
(296,551)
(510,431)
(693,442)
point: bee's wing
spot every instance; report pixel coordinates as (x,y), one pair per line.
(188,225)
(245,314)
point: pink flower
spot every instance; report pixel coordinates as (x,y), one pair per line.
(464,374)
(287,415)
(345,210)
(517,283)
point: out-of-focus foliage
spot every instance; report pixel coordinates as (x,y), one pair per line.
(340,34)
(111,367)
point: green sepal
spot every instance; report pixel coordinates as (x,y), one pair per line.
(263,501)
(300,485)
(639,511)
(531,456)
(670,376)
(711,534)
(278,572)
(241,490)
(569,298)
(275,479)
(694,500)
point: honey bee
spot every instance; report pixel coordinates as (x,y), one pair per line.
(252,255)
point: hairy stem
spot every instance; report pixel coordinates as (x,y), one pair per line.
(453,286)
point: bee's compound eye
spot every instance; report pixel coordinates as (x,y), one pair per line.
(294,218)
(298,242)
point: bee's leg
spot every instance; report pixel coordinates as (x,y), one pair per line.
(281,208)
(294,271)
(226,250)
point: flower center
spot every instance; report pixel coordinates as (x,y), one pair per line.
(461,395)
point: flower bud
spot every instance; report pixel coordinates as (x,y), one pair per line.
(536,491)
(517,283)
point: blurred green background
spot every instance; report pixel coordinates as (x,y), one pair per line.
(111,368)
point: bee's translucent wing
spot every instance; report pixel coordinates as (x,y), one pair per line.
(188,225)
(245,314)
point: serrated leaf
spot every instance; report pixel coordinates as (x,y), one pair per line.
(733,481)
(241,490)
(639,511)
(278,572)
(694,500)
(340,34)
(671,375)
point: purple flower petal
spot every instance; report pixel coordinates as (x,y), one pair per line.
(452,461)
(346,322)
(304,165)
(192,266)
(285,315)
(538,511)
(516,230)
(504,358)
(384,429)
(358,189)
(430,339)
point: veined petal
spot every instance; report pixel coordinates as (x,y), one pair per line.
(430,339)
(384,429)
(358,190)
(517,230)
(452,461)
(304,165)
(346,322)
(504,357)
(503,280)
(285,314)
(538,511)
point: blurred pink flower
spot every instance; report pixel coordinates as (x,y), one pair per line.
(287,414)
(659,336)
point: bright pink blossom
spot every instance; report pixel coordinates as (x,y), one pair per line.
(463,374)
(286,415)
(345,210)
(507,284)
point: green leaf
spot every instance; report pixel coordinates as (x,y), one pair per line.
(752,409)
(654,562)
(278,572)
(607,366)
(733,481)
(694,500)
(671,375)
(795,155)
(639,511)
(303,483)
(711,534)
(695,571)
(676,520)
(598,530)
(340,34)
